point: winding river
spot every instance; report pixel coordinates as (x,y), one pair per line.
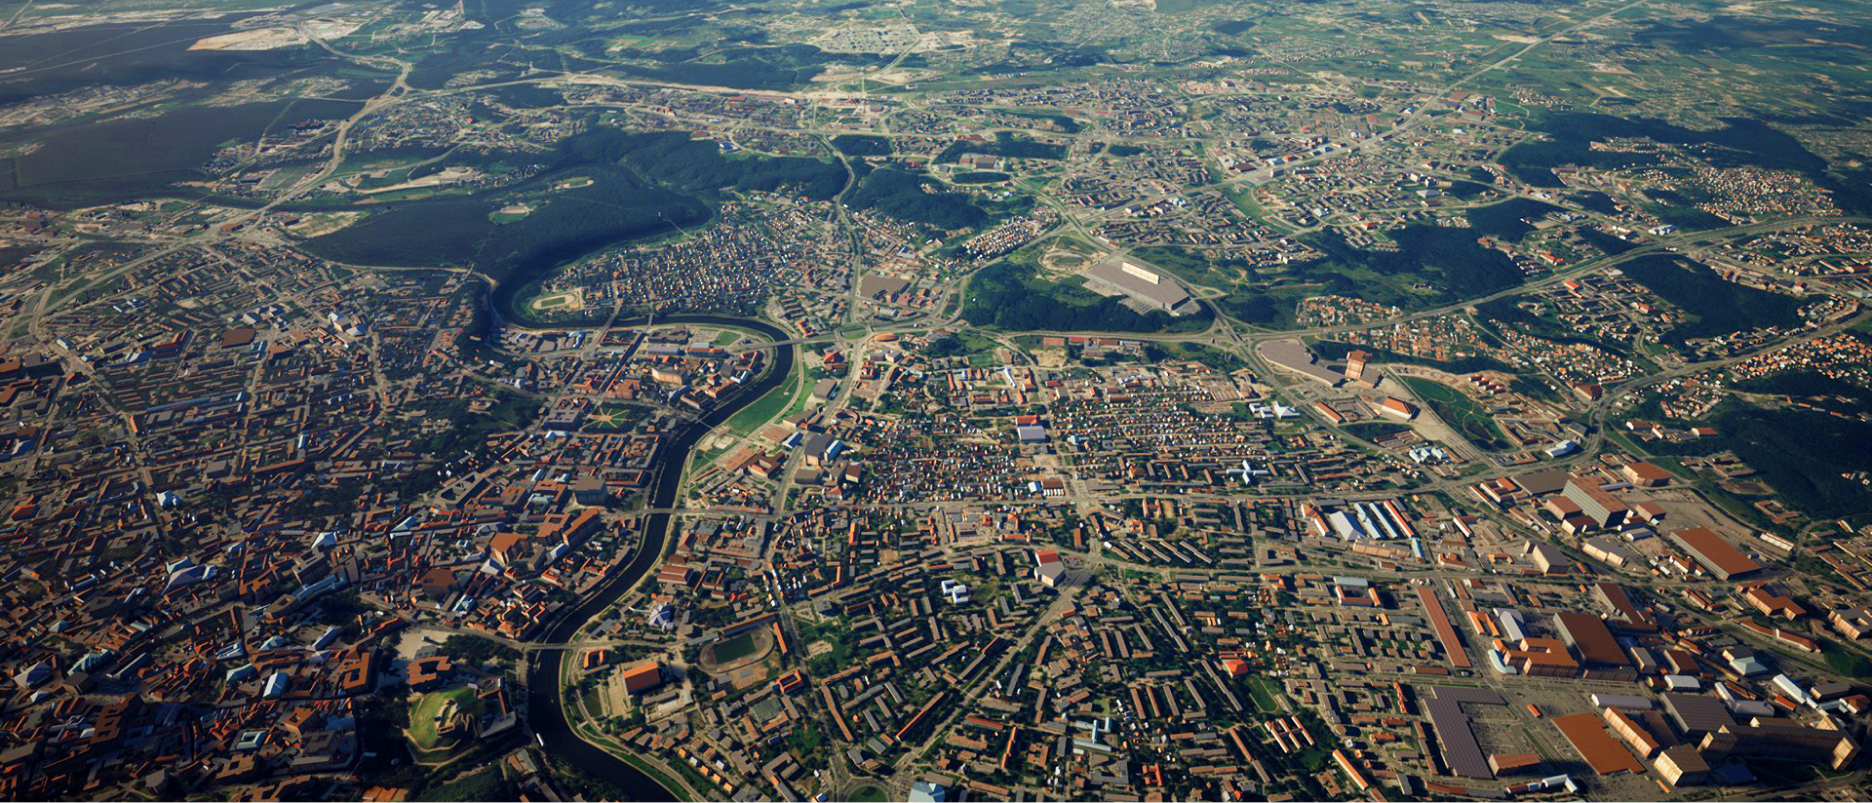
(545,707)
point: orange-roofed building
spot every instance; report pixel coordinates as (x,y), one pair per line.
(506,548)
(1398,408)
(643,677)
(596,658)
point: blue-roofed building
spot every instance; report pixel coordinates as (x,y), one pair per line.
(1748,666)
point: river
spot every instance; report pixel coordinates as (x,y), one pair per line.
(545,710)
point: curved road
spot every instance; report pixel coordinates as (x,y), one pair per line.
(545,710)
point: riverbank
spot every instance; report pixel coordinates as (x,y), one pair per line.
(545,708)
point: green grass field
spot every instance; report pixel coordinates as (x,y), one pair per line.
(763,410)
(736,648)
(1460,412)
(1260,689)
(422,727)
